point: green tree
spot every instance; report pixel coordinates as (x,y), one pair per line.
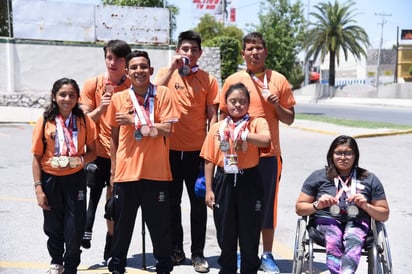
(209,28)
(282,25)
(296,76)
(174,10)
(334,31)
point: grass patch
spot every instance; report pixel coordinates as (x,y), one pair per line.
(350,123)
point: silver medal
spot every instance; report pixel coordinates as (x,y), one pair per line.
(224,146)
(334,210)
(353,211)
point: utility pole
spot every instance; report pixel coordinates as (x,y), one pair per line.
(307,76)
(380,47)
(395,78)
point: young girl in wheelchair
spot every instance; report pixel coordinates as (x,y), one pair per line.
(342,198)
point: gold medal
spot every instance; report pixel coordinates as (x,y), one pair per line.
(63,161)
(54,162)
(153,132)
(74,161)
(145,130)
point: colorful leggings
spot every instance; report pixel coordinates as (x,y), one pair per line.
(344,243)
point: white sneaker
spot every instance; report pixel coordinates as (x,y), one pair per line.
(55,269)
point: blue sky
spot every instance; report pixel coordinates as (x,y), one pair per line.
(367,18)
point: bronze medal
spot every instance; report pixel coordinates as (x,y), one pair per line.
(153,132)
(145,130)
(224,145)
(138,135)
(54,162)
(74,161)
(63,161)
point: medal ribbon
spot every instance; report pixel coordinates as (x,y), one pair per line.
(66,135)
(141,117)
(263,85)
(194,69)
(231,132)
(344,185)
(107,82)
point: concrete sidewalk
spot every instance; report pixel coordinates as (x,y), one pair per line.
(303,150)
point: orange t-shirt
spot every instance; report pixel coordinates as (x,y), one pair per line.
(250,158)
(192,94)
(86,136)
(149,157)
(91,96)
(259,107)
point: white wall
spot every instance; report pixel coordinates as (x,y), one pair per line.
(31,67)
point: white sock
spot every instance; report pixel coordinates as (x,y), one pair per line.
(266,253)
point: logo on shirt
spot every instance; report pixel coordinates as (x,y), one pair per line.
(178,86)
(161,197)
(80,195)
(258,206)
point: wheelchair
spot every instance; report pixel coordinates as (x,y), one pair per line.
(309,240)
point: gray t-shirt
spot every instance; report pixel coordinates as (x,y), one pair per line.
(317,184)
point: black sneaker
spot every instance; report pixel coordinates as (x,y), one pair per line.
(107,247)
(200,264)
(178,257)
(87,237)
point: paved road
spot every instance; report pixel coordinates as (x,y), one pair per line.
(394,115)
(23,244)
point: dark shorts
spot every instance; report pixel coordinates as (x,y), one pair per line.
(270,169)
(101,177)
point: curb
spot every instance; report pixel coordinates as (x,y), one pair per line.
(356,136)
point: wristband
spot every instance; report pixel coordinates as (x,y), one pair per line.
(37,184)
(315,205)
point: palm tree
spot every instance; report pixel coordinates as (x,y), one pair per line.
(334,31)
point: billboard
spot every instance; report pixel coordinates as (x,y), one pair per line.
(222,10)
(63,21)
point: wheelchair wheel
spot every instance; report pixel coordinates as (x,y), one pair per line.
(299,251)
(384,251)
